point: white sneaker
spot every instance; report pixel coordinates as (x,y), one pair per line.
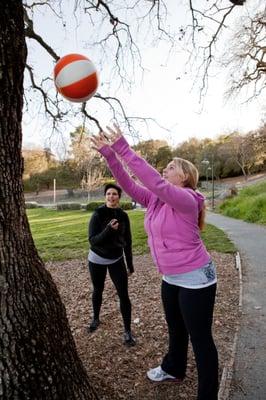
(158,375)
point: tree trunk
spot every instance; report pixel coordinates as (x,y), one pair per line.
(242,169)
(38,357)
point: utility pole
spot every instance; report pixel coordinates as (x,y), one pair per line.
(207,163)
(212,183)
(54,191)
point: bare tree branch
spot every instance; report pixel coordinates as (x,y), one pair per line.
(30,33)
(115,26)
(247,57)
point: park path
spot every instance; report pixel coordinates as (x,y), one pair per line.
(249,375)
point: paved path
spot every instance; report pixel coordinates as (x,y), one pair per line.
(249,377)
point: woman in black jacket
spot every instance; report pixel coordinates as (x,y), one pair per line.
(110,241)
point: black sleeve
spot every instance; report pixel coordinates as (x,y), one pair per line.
(128,246)
(95,232)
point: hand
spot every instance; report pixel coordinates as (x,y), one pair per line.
(99,141)
(114,134)
(114,224)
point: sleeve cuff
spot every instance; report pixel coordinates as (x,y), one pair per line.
(106,151)
(131,269)
(120,145)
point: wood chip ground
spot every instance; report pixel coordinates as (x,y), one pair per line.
(118,372)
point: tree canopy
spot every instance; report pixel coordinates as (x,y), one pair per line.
(117,34)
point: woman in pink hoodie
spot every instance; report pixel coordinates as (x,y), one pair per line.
(174,217)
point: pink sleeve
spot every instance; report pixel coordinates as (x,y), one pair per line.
(140,194)
(178,198)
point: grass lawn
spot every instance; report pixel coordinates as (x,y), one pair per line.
(249,205)
(215,239)
(62,235)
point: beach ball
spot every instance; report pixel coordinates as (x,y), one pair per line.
(76,78)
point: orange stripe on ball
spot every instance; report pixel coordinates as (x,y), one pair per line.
(80,88)
(66,60)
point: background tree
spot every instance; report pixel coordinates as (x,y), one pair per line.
(227,164)
(244,153)
(38,354)
(258,139)
(163,157)
(86,160)
(149,149)
(246,57)
(239,149)
(37,160)
(191,150)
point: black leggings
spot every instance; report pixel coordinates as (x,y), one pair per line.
(118,274)
(189,313)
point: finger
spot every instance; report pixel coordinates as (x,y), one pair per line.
(105,136)
(102,134)
(93,140)
(118,130)
(111,130)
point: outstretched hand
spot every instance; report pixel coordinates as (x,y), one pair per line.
(106,137)
(99,141)
(114,133)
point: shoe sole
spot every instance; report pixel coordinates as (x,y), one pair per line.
(90,330)
(129,344)
(167,380)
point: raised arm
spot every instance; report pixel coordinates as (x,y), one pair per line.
(135,191)
(178,198)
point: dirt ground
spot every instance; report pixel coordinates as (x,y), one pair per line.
(118,372)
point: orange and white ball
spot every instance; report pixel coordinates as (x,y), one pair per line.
(76,78)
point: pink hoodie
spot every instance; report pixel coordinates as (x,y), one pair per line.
(171,220)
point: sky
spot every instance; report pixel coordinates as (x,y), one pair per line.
(165,92)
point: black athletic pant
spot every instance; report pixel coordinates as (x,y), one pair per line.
(189,313)
(118,274)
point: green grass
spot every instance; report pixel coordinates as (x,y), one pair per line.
(62,235)
(249,205)
(216,239)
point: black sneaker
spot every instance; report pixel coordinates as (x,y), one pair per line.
(93,325)
(129,340)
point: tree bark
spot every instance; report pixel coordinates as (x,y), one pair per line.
(38,357)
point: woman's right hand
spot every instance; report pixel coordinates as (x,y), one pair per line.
(99,141)
(106,138)
(114,224)
(114,134)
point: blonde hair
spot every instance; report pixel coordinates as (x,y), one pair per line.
(191,175)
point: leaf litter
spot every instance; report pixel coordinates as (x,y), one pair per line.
(119,372)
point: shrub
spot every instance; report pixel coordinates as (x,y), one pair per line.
(68,206)
(32,204)
(257,211)
(92,205)
(126,205)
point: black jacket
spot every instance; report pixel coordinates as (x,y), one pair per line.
(108,242)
